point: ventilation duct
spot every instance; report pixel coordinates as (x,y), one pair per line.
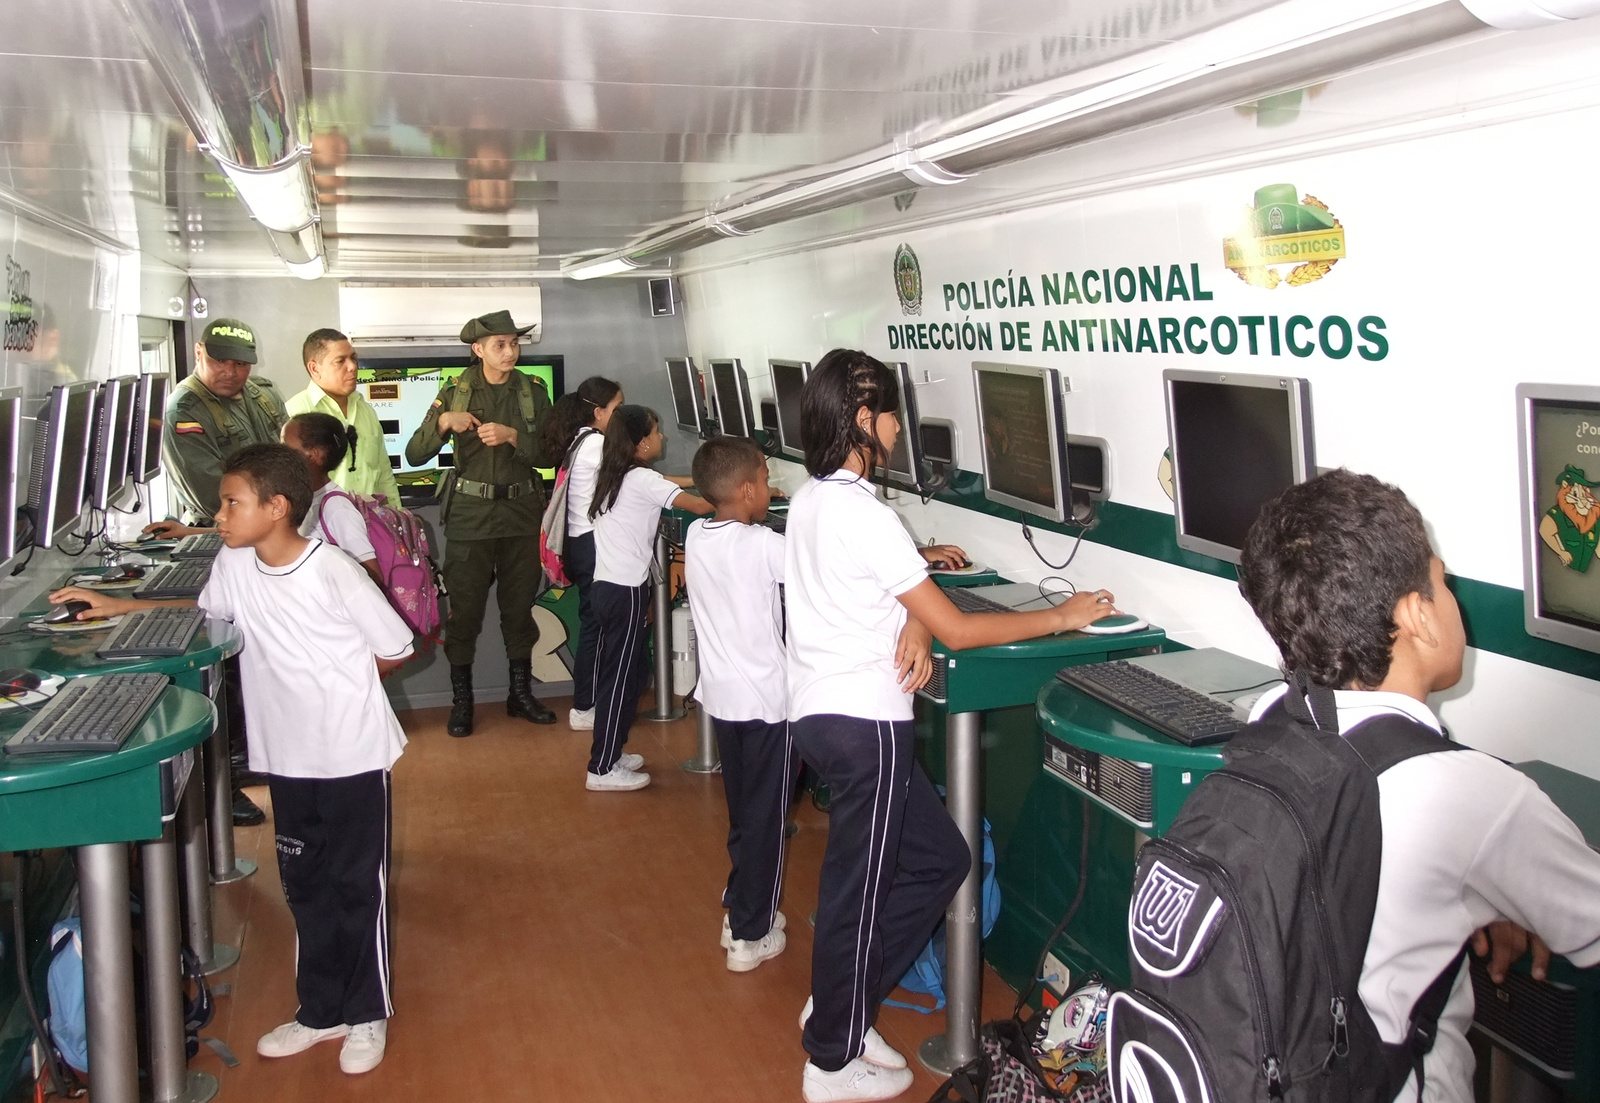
(234,70)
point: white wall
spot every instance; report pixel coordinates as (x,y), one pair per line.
(1465,240)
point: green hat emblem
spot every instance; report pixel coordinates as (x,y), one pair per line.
(1279,211)
(1574,476)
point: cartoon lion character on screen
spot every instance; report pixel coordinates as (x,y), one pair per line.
(1568,528)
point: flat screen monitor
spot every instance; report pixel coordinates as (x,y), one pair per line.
(688,393)
(113,426)
(1238,441)
(1023,423)
(905,461)
(401,386)
(1558,431)
(788,381)
(734,413)
(151,407)
(10,472)
(61,438)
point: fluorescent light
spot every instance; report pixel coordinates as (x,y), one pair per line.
(309,270)
(280,198)
(602,266)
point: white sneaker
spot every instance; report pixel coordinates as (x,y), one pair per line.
(744,956)
(620,779)
(873,1050)
(363,1049)
(778,924)
(295,1037)
(634,762)
(580,720)
(857,1080)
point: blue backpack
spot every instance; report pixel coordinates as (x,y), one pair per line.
(926,975)
(69,1025)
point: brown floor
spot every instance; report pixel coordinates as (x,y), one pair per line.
(550,943)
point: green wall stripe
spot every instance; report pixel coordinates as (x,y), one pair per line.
(1492,614)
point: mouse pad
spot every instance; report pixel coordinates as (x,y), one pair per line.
(48,684)
(95,582)
(71,626)
(1115,625)
(960,572)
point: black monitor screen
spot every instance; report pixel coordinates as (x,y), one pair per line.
(146,463)
(71,487)
(122,429)
(1234,451)
(1014,414)
(732,402)
(788,381)
(10,458)
(685,393)
(1564,448)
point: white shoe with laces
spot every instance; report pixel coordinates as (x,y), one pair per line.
(744,956)
(874,1049)
(580,720)
(858,1080)
(363,1049)
(620,779)
(778,924)
(634,762)
(295,1037)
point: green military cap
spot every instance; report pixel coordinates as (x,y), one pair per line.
(230,339)
(491,325)
(1278,210)
(1575,476)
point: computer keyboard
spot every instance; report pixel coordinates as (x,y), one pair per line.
(175,580)
(153,633)
(1187,715)
(777,522)
(198,545)
(89,715)
(969,600)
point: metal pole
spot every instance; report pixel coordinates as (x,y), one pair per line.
(192,841)
(170,1078)
(944,1053)
(219,788)
(707,760)
(108,971)
(662,595)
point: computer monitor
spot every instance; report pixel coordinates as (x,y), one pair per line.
(10,467)
(113,426)
(734,414)
(145,460)
(1238,441)
(688,393)
(1023,423)
(905,461)
(788,381)
(1558,431)
(61,439)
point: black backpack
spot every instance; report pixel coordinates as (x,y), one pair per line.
(1250,920)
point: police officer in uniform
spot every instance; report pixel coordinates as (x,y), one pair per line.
(215,411)
(491,504)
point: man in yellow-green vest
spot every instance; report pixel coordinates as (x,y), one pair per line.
(331,363)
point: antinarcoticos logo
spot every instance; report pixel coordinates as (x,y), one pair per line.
(1285,230)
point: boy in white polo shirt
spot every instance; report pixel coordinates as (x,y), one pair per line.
(734,567)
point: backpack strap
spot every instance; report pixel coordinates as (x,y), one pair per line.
(1311,704)
(461,394)
(1386,741)
(1423,1029)
(322,515)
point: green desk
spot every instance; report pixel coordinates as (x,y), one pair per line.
(98,804)
(966,684)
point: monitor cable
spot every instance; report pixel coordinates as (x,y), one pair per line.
(1027,534)
(1072,911)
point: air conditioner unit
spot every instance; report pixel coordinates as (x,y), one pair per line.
(388,314)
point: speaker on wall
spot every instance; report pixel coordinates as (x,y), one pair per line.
(662,302)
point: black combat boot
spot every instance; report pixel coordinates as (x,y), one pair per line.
(520,700)
(460,722)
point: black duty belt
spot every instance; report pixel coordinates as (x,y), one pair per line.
(494,491)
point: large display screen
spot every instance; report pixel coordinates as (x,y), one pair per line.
(1014,415)
(1233,448)
(1564,480)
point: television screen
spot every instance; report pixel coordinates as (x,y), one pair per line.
(1561,496)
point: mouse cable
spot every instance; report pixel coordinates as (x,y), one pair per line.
(1027,534)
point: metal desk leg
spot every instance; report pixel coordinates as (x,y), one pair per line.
(213,956)
(108,971)
(662,596)
(706,759)
(219,791)
(944,1053)
(171,1080)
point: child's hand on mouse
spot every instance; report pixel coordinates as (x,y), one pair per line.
(170,530)
(1085,607)
(950,556)
(101,606)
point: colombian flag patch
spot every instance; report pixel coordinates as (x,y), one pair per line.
(188,427)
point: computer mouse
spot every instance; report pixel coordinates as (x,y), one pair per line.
(65,612)
(17,682)
(1115,625)
(122,572)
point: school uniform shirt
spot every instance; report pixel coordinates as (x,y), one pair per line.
(733,572)
(345,527)
(312,699)
(848,559)
(1467,840)
(580,482)
(625,534)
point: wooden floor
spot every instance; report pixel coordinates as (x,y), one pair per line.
(550,943)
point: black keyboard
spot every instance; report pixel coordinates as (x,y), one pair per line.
(969,600)
(89,715)
(153,633)
(175,580)
(1185,714)
(198,545)
(777,522)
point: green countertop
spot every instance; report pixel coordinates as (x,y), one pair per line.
(1082,721)
(71,654)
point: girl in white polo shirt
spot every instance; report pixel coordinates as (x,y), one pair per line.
(861,615)
(627,505)
(577,431)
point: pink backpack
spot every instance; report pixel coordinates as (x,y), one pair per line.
(553,528)
(407,569)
